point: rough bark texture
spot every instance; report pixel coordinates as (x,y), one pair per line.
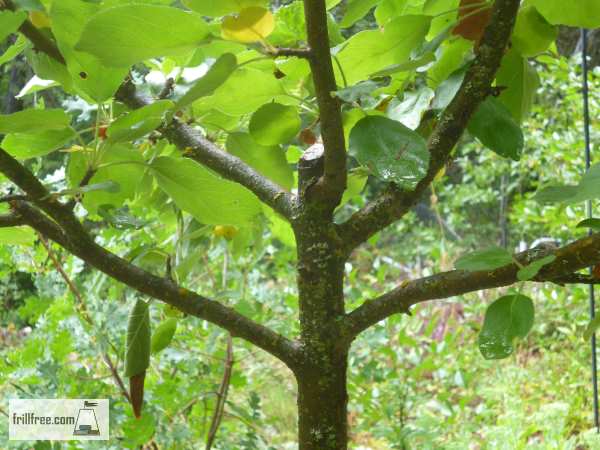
(322,397)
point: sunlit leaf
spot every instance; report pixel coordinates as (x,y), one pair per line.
(125,35)
(250,25)
(163,334)
(34,120)
(274,124)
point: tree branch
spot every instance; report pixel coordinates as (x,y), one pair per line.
(200,149)
(11,220)
(394,202)
(330,188)
(197,147)
(39,41)
(569,259)
(68,232)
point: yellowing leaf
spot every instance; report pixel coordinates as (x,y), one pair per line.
(39,19)
(250,25)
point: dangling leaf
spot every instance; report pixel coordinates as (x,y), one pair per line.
(137,351)
(163,335)
(137,354)
(494,126)
(136,393)
(506,319)
(473,18)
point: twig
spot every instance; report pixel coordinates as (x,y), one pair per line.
(221,396)
(290,52)
(83,310)
(167,90)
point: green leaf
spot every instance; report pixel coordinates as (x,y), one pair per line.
(487,259)
(392,151)
(362,92)
(90,77)
(520,82)
(531,270)
(139,122)
(356,10)
(244,92)
(409,65)
(17,236)
(591,328)
(30,145)
(583,13)
(33,120)
(274,124)
(357,180)
(218,8)
(14,50)
(124,35)
(373,50)
(210,199)
(411,108)
(507,318)
(268,160)
(137,350)
(532,34)
(587,189)
(120,164)
(163,335)
(10,22)
(215,77)
(494,126)
(594,224)
(108,186)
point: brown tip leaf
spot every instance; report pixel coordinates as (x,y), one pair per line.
(136,393)
(473,18)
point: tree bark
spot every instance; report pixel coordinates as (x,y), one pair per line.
(322,395)
(322,406)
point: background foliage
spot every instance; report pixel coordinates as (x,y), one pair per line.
(416,382)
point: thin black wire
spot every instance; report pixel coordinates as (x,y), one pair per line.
(588,162)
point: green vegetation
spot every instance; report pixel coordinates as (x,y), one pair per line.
(258,193)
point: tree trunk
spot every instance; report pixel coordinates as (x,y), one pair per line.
(322,394)
(322,407)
